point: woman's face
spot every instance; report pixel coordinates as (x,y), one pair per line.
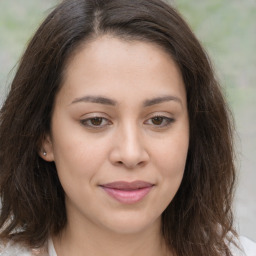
(119,134)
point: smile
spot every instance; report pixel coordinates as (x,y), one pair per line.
(127,192)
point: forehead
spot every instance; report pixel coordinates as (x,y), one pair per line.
(98,48)
(113,64)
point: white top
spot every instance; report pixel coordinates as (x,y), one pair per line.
(51,248)
(10,249)
(248,247)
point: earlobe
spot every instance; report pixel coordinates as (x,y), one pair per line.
(46,149)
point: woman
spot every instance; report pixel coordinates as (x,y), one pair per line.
(115,139)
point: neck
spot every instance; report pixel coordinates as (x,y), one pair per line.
(92,240)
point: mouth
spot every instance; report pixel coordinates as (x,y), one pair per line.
(127,192)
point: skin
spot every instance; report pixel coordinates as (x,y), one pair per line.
(126,141)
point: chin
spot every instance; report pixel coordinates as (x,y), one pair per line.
(126,224)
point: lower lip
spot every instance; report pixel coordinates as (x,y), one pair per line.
(128,196)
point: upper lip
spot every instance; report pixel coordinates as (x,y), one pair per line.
(124,185)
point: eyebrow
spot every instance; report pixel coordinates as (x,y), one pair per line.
(95,99)
(111,102)
(158,100)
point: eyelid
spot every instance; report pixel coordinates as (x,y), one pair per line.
(85,121)
(168,120)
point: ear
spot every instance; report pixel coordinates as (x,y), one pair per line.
(46,149)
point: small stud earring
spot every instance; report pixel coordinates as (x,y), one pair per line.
(44,153)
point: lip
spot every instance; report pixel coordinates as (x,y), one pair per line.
(127,192)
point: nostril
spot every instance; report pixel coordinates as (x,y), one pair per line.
(142,163)
(130,166)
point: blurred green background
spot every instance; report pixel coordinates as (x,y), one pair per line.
(227,28)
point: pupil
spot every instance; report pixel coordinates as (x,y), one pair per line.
(96,121)
(157,120)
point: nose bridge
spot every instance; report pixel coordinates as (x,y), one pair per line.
(131,141)
(130,149)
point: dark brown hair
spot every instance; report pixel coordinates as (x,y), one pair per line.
(199,219)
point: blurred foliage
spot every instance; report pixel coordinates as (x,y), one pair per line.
(18,21)
(228,30)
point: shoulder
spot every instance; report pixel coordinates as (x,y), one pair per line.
(11,248)
(248,247)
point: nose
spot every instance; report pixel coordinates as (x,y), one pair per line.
(129,149)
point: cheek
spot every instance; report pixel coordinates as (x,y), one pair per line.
(78,166)
(172,154)
(171,160)
(72,146)
(78,157)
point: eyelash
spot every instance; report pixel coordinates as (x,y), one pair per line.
(164,122)
(88,122)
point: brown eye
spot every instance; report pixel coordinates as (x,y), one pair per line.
(96,121)
(158,120)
